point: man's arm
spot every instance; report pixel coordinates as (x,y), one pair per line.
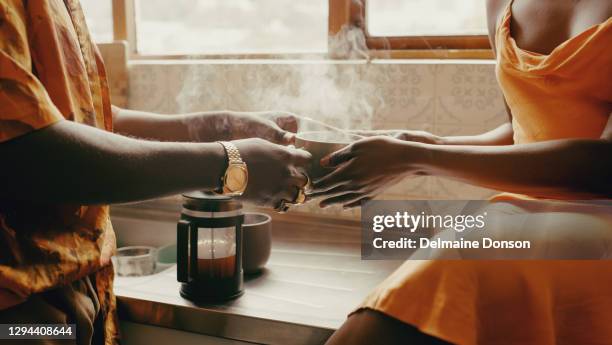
(184,128)
(72,163)
(277,127)
(48,159)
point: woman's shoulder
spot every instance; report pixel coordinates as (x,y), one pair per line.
(495,10)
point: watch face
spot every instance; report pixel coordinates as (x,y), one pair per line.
(236,178)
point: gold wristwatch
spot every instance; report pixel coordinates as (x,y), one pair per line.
(236,176)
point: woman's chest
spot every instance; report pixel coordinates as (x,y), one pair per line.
(541,26)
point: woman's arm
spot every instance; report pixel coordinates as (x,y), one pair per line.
(501,135)
(210,126)
(570,168)
(553,169)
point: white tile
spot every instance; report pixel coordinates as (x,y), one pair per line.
(467,95)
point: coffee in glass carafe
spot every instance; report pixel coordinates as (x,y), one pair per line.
(209,247)
(216,253)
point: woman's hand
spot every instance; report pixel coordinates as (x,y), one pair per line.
(365,169)
(403,134)
(277,127)
(275,172)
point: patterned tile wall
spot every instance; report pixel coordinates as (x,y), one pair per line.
(448,98)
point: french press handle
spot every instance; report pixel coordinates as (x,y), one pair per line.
(182,250)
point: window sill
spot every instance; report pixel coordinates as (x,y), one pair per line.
(438,54)
(415,61)
(417,54)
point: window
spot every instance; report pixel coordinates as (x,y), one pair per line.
(383,28)
(426,17)
(415,28)
(99,16)
(236,26)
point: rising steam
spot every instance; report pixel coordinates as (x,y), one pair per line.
(341,93)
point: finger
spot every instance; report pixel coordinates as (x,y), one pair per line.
(293,189)
(334,191)
(369,133)
(357,203)
(280,136)
(280,206)
(288,123)
(340,199)
(301,158)
(336,158)
(288,138)
(364,133)
(331,180)
(299,178)
(400,136)
(286,192)
(290,194)
(298,197)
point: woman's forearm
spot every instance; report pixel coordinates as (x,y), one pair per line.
(502,135)
(556,169)
(73,163)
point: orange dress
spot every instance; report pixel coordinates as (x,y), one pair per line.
(566,94)
(51,71)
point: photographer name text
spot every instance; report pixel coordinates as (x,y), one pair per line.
(438,243)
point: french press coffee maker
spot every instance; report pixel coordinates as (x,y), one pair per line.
(209,247)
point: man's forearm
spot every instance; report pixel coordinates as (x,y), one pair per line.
(73,163)
(194,127)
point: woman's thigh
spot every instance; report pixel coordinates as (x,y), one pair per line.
(367,327)
(554,232)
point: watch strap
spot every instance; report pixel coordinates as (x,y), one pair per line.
(233,155)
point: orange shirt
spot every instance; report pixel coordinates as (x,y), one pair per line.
(50,71)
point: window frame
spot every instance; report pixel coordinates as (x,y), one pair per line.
(341,13)
(353,13)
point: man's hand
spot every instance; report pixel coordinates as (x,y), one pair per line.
(277,127)
(275,172)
